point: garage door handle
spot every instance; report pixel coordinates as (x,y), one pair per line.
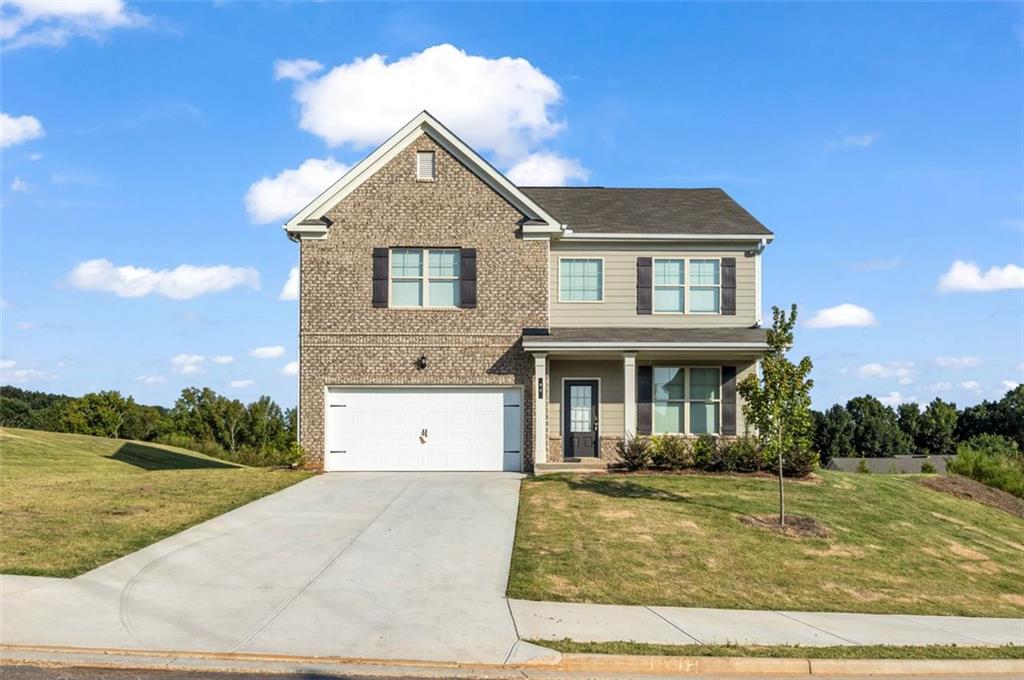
(337,451)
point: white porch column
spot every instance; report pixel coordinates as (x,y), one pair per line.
(540,412)
(629,387)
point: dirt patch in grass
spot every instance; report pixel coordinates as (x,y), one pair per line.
(961,550)
(962,487)
(796,526)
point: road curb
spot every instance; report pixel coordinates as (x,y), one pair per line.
(574,664)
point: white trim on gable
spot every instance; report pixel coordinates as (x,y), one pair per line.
(303,224)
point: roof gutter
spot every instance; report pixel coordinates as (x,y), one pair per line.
(745,238)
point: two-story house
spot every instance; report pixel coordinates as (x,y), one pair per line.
(450,320)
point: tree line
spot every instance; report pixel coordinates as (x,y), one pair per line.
(258,433)
(865,427)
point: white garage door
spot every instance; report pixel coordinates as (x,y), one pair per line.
(424,428)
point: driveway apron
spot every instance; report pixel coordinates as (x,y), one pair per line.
(375,565)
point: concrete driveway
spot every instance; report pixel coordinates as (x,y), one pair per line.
(378,565)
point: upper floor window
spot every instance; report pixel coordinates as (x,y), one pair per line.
(580,279)
(669,286)
(687,400)
(434,285)
(705,286)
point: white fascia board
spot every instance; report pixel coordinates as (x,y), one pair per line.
(422,123)
(543,346)
(570,235)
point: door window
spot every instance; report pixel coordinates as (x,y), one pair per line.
(581,408)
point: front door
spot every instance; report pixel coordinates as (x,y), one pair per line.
(580,421)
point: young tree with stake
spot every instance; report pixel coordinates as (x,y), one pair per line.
(778,402)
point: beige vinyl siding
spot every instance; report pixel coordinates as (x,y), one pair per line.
(611,374)
(619,305)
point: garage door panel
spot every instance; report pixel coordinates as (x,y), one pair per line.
(466,429)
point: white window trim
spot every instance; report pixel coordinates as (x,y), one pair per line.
(655,286)
(718,285)
(579,257)
(424,278)
(687,400)
(686,286)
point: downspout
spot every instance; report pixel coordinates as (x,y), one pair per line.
(757,280)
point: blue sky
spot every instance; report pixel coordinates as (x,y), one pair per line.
(882,144)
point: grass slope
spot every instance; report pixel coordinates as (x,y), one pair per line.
(896,546)
(69,503)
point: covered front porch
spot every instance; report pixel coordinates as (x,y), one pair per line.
(592,388)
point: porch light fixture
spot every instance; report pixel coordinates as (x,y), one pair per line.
(421,363)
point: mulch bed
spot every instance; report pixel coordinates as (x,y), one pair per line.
(963,487)
(797,526)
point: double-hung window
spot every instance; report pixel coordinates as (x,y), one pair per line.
(581,279)
(669,286)
(424,277)
(687,400)
(705,286)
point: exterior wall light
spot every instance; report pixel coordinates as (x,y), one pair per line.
(421,363)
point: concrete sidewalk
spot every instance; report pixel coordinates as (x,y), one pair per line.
(685,626)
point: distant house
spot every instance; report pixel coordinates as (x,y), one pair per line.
(451,320)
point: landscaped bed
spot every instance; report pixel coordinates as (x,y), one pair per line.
(69,503)
(933,652)
(892,545)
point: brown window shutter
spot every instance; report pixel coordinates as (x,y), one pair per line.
(729,286)
(729,401)
(467,278)
(643,285)
(644,397)
(380,277)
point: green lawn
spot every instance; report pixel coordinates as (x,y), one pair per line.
(895,546)
(69,503)
(790,651)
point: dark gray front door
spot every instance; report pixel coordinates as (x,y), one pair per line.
(580,418)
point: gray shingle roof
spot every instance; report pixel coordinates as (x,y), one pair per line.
(633,334)
(646,211)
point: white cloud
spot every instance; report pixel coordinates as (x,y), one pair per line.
(291,368)
(149,379)
(17,130)
(841,316)
(10,374)
(966,277)
(501,105)
(290,291)
(1009,384)
(295,69)
(20,185)
(546,169)
(895,399)
(240,384)
(971,385)
(189,364)
(269,352)
(52,23)
(181,283)
(902,371)
(943,386)
(24,325)
(281,196)
(853,142)
(35,156)
(224,359)
(957,362)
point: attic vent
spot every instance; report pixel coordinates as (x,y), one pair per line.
(425,165)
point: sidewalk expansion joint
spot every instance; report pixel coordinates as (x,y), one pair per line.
(692,637)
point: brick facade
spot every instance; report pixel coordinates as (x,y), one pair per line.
(344,340)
